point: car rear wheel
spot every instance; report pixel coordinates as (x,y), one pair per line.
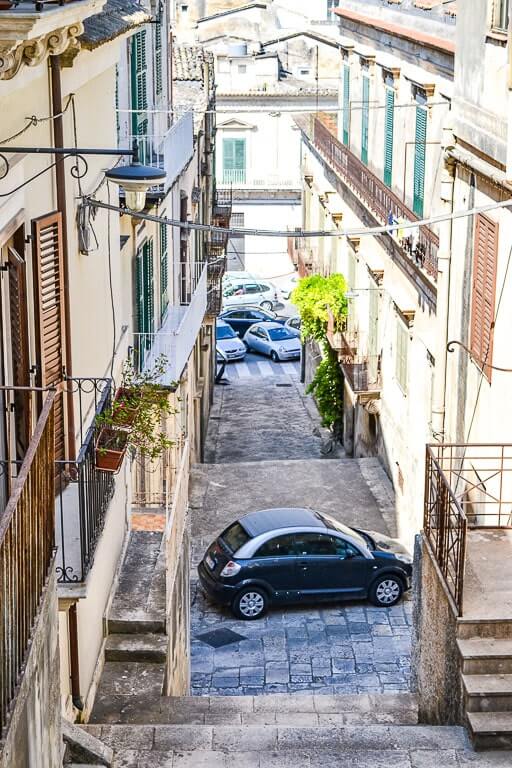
(266,305)
(274,356)
(250,604)
(386,591)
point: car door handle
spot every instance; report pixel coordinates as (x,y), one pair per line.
(303,563)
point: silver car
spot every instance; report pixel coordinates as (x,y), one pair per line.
(293,323)
(228,341)
(273,339)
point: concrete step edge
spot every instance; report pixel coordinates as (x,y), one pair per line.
(487,684)
(485,648)
(490,722)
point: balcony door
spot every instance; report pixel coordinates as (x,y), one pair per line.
(233,161)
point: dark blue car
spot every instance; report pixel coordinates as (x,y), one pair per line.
(240,319)
(295,555)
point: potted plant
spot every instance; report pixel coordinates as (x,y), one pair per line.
(136,417)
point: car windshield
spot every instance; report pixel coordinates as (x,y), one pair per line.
(235,537)
(225,332)
(278,334)
(332,523)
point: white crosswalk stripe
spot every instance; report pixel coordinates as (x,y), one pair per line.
(255,368)
(289,368)
(243,370)
(265,368)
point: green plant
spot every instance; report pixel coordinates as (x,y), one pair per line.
(147,403)
(314,296)
(327,387)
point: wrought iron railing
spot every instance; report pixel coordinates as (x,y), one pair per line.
(421,246)
(26,553)
(83,492)
(234,176)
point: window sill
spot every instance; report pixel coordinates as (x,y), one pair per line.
(497,36)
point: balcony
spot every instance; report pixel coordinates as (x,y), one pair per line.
(362,371)
(176,338)
(467,522)
(26,555)
(420,250)
(241,178)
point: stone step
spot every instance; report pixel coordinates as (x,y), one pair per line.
(490,730)
(500,629)
(482,656)
(147,647)
(488,693)
(277,709)
(280,738)
(135,623)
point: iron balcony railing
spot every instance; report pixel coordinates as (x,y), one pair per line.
(421,247)
(83,492)
(26,554)
(466,486)
(234,176)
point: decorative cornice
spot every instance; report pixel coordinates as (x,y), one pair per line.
(30,53)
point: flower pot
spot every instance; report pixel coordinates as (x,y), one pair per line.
(5,5)
(110,449)
(125,407)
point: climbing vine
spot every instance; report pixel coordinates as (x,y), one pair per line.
(327,387)
(313,297)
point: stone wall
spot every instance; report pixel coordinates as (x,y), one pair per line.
(33,738)
(435,659)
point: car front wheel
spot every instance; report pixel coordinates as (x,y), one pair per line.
(386,591)
(274,356)
(250,604)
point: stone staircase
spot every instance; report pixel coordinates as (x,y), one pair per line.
(485,649)
(277,731)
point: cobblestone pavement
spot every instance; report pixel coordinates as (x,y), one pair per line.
(264,451)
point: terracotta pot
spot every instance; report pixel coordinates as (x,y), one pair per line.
(125,406)
(5,5)
(110,449)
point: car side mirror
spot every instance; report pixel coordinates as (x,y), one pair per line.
(350,555)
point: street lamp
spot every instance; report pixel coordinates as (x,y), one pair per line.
(134,178)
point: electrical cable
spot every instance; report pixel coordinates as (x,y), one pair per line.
(294,110)
(34,120)
(355,232)
(75,138)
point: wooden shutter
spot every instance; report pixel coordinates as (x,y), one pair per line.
(365,114)
(419,160)
(164,270)
(139,91)
(139,289)
(346,104)
(402,341)
(49,311)
(18,316)
(149,287)
(388,136)
(484,291)
(158,60)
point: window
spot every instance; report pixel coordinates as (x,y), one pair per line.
(483,291)
(365,115)
(235,537)
(242,69)
(402,342)
(388,136)
(500,14)
(164,270)
(346,104)
(251,288)
(139,91)
(233,169)
(419,160)
(158,60)
(280,334)
(373,334)
(280,546)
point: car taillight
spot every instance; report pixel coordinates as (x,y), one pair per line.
(230,569)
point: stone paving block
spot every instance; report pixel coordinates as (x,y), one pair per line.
(126,758)
(182,738)
(199,759)
(426,758)
(251,738)
(288,760)
(120,737)
(155,759)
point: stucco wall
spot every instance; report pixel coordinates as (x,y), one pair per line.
(435,653)
(33,739)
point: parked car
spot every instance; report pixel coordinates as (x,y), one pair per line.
(293,323)
(241,292)
(272,339)
(242,319)
(278,556)
(228,341)
(289,286)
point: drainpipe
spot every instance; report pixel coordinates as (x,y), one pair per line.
(443,292)
(60,180)
(74,659)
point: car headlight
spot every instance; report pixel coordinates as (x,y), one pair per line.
(282,350)
(404,558)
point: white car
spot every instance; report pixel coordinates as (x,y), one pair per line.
(293,323)
(243,293)
(289,286)
(228,341)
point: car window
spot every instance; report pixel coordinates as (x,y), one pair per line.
(235,536)
(344,548)
(239,315)
(225,332)
(314,544)
(254,331)
(295,322)
(280,546)
(279,334)
(251,288)
(263,288)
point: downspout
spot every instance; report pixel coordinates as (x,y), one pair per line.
(438,424)
(60,181)
(74,658)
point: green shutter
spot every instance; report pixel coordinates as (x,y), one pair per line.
(402,340)
(149,300)
(164,273)
(139,84)
(139,287)
(233,161)
(346,104)
(158,60)
(388,136)
(419,160)
(365,114)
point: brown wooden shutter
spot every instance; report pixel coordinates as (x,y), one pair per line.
(49,311)
(484,291)
(19,348)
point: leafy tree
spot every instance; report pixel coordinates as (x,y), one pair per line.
(327,387)
(313,296)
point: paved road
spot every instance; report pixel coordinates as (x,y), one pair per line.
(259,366)
(263,451)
